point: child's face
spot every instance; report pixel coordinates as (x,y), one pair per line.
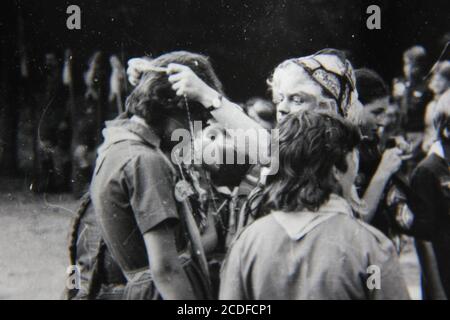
(376,112)
(438,84)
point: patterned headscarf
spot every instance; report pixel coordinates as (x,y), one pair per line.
(334,73)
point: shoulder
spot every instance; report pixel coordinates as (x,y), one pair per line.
(258,226)
(148,166)
(262,229)
(376,236)
(359,234)
(427,167)
(145,157)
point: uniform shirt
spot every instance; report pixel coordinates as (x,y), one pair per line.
(311,255)
(132,191)
(431,181)
(431,207)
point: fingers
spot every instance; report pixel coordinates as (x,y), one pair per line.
(406,157)
(175,77)
(178,78)
(178,87)
(138,63)
(180,93)
(397,151)
(133,76)
(136,66)
(392,159)
(393,152)
(173,68)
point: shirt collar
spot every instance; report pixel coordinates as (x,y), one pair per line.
(139,127)
(299,224)
(437,149)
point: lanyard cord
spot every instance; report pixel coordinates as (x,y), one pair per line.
(191,127)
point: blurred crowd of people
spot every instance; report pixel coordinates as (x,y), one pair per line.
(362,165)
(69,121)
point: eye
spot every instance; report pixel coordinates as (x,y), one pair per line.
(298,99)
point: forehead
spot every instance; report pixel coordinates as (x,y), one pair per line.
(377,104)
(438,77)
(292,79)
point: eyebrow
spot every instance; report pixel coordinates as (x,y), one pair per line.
(302,94)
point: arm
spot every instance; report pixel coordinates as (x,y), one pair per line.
(150,187)
(209,237)
(425,203)
(383,269)
(390,163)
(430,272)
(168,274)
(186,83)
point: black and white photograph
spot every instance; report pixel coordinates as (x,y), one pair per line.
(224,150)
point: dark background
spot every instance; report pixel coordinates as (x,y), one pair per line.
(245,39)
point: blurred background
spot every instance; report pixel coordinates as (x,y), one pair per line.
(58,86)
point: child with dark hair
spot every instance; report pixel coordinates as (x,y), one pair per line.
(146,227)
(308,244)
(431,181)
(378,165)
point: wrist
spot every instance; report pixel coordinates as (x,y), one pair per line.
(208,97)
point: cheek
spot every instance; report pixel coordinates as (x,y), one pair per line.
(441,85)
(356,164)
(307,106)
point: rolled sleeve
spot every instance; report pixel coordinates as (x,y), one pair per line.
(231,283)
(150,186)
(383,256)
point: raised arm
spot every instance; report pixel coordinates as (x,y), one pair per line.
(186,83)
(390,163)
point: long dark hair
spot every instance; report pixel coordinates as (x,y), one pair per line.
(310,144)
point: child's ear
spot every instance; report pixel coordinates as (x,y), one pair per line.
(336,173)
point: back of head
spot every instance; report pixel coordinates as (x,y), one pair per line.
(414,62)
(415,54)
(153,95)
(370,86)
(441,118)
(310,145)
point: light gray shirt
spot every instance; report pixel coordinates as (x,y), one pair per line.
(328,254)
